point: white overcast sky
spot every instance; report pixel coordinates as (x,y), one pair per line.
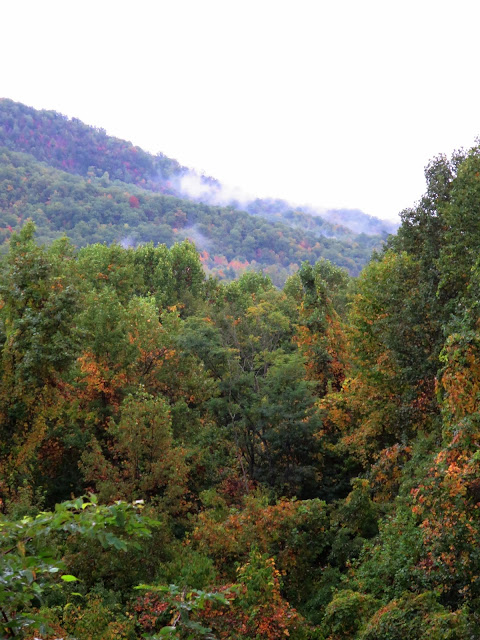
(338,103)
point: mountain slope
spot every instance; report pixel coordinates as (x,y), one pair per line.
(75,179)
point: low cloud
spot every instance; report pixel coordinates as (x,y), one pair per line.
(210,191)
(127,243)
(195,186)
(195,235)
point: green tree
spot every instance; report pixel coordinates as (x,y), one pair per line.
(140,460)
(264,401)
(461,219)
(39,301)
(31,553)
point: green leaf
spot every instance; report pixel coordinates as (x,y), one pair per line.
(69,578)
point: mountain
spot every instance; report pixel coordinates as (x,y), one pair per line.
(75,179)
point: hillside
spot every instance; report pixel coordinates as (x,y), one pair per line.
(120,193)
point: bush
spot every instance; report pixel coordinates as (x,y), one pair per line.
(417,617)
(346,614)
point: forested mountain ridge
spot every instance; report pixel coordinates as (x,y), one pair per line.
(72,146)
(279,245)
(97,210)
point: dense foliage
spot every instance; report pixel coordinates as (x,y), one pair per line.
(305,459)
(74,179)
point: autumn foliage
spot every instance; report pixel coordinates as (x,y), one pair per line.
(307,457)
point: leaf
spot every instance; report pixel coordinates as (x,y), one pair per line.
(120,518)
(69,578)
(29,576)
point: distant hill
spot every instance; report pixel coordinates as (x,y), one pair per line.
(72,146)
(360,222)
(75,179)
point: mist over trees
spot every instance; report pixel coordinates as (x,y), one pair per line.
(73,179)
(183,456)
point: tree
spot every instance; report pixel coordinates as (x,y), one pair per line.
(39,300)
(264,402)
(140,461)
(389,393)
(461,216)
(319,335)
(31,553)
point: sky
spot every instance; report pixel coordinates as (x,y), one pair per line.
(334,103)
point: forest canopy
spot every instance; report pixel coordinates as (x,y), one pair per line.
(183,456)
